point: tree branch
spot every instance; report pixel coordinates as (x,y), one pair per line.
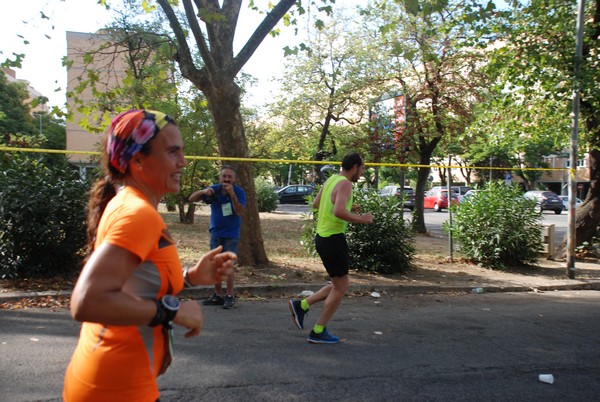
(259,34)
(192,18)
(183,56)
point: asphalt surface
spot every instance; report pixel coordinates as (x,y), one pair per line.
(428,347)
(418,341)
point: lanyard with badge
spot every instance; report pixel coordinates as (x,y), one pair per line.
(227,209)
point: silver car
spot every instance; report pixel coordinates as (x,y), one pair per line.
(407,194)
(565,200)
(545,201)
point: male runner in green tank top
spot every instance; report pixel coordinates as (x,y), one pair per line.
(336,210)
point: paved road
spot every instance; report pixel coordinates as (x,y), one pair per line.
(475,347)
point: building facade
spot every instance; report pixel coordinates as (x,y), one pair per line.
(109,68)
(11,76)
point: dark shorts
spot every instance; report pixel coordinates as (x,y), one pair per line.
(333,251)
(228,243)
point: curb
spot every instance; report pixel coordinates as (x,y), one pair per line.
(284,291)
(294,290)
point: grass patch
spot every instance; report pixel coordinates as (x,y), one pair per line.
(289,261)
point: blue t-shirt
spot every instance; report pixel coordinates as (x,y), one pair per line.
(224,222)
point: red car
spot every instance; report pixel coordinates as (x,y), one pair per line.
(437,198)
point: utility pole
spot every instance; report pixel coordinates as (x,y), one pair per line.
(574,135)
(450,245)
(40,115)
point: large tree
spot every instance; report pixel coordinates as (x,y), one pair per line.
(128,65)
(15,114)
(430,54)
(212,24)
(132,67)
(516,133)
(324,90)
(538,62)
(20,127)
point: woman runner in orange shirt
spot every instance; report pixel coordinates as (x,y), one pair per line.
(125,295)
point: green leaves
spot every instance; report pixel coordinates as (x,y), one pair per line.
(412,6)
(497,227)
(386,246)
(42,217)
(266,198)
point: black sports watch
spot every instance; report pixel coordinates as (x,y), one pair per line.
(166,310)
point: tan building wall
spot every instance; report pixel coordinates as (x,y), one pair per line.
(11,76)
(110,69)
(582,174)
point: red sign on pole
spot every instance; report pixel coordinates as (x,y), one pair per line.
(399,118)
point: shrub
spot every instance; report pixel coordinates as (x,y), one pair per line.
(386,246)
(309,225)
(42,217)
(590,249)
(266,197)
(497,227)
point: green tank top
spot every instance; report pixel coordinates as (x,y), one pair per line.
(327,223)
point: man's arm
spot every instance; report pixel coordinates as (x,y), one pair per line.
(341,194)
(238,207)
(197,195)
(317,200)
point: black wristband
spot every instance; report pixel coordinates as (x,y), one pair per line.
(186,279)
(160,316)
(170,305)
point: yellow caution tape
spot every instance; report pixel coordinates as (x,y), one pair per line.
(288,161)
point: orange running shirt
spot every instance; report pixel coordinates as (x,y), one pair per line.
(117,363)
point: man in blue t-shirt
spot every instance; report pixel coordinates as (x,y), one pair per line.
(227,202)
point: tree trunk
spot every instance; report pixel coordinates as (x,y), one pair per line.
(426,149)
(321,152)
(225,108)
(425,153)
(216,80)
(189,215)
(418,222)
(587,217)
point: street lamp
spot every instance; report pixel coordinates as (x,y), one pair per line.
(40,116)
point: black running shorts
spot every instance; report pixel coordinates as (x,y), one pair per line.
(333,251)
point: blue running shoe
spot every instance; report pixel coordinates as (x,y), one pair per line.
(215,300)
(297,313)
(323,337)
(228,302)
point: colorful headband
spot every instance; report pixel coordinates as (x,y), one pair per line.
(128,133)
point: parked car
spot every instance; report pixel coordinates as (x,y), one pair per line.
(437,198)
(407,194)
(565,200)
(294,194)
(546,201)
(468,194)
(461,191)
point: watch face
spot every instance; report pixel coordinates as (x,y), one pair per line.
(171,302)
